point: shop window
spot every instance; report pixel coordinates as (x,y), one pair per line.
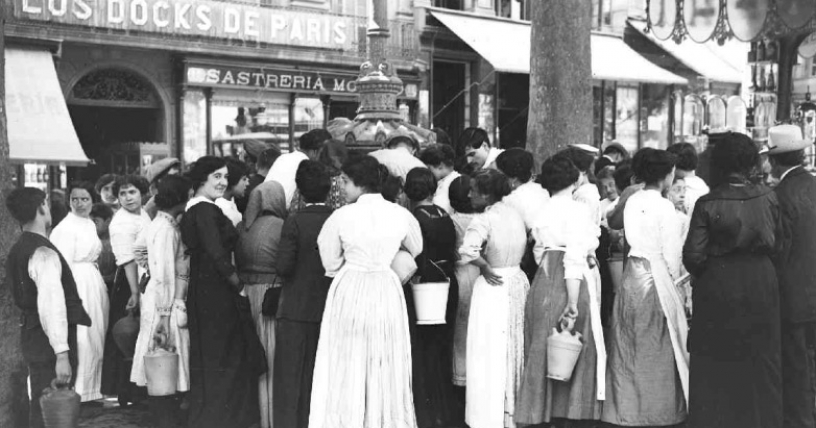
(655,116)
(626,117)
(513,9)
(693,116)
(265,121)
(736,115)
(449,4)
(309,114)
(195,125)
(716,114)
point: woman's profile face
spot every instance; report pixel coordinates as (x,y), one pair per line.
(353,191)
(81,202)
(215,185)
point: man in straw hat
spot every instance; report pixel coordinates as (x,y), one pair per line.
(796,269)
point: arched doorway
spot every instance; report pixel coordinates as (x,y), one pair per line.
(118,116)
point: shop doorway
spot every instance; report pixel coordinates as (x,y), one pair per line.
(450,97)
(119,120)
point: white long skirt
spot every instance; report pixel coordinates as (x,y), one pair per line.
(362,376)
(495,349)
(91,340)
(179,338)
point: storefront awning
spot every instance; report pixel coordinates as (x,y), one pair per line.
(39,126)
(506,46)
(698,57)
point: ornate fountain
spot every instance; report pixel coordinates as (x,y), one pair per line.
(378,87)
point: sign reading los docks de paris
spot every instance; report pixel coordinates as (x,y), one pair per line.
(197,18)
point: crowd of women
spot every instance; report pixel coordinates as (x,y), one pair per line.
(285,285)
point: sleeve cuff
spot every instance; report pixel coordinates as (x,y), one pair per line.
(59,349)
(573,272)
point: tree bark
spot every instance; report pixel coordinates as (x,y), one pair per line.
(560,77)
(13,389)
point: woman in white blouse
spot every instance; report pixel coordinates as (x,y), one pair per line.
(76,238)
(648,361)
(565,293)
(362,374)
(494,241)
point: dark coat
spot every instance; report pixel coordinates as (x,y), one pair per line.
(796,263)
(305,284)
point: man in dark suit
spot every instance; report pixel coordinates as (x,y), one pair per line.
(613,153)
(305,288)
(796,269)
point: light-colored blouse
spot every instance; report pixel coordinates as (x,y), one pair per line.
(230,210)
(498,235)
(75,237)
(45,270)
(368,234)
(529,200)
(169,265)
(654,229)
(589,195)
(442,195)
(124,229)
(566,224)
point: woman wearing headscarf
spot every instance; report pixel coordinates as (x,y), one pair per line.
(224,361)
(466,274)
(255,256)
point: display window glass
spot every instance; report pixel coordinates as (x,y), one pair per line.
(626,117)
(195,125)
(655,116)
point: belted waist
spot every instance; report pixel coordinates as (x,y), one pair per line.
(507,271)
(367,267)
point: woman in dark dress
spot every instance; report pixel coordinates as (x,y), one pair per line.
(223,365)
(432,345)
(734,341)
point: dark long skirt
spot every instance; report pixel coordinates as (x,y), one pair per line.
(736,377)
(116,365)
(295,353)
(223,383)
(436,399)
(541,399)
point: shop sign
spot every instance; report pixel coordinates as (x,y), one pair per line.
(216,19)
(280,80)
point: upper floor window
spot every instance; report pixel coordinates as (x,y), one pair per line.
(449,4)
(514,9)
(611,14)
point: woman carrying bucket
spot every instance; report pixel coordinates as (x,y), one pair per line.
(434,392)
(495,242)
(565,294)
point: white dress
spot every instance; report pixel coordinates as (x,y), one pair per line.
(168,265)
(76,239)
(362,376)
(495,337)
(442,195)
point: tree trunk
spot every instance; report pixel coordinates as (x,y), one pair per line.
(13,390)
(560,77)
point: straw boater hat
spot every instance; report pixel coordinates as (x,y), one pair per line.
(587,148)
(786,138)
(158,168)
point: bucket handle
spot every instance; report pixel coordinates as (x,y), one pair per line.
(439,269)
(56,384)
(567,324)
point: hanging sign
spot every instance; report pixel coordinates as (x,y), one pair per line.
(300,81)
(205,18)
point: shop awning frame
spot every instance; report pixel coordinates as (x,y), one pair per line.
(40,129)
(505,44)
(697,57)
